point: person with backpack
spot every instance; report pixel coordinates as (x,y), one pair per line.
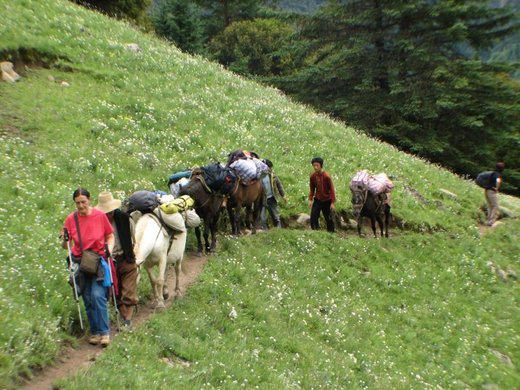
(491,182)
(123,254)
(91,232)
(272,188)
(321,196)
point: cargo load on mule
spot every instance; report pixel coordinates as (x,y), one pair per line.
(240,154)
(250,169)
(143,201)
(164,206)
(375,184)
(216,178)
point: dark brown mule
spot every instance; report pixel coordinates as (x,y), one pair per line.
(249,196)
(367,205)
(207,206)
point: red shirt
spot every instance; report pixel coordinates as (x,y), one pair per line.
(94,230)
(321,187)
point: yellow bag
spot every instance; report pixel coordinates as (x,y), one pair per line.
(181,203)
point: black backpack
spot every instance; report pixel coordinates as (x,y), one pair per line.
(484,179)
(143,201)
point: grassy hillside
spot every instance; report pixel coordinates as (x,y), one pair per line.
(317,311)
(128,119)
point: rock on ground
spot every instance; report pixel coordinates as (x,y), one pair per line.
(303,219)
(8,73)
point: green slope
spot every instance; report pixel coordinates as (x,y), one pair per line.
(127,121)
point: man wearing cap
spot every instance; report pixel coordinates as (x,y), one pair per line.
(123,254)
(321,195)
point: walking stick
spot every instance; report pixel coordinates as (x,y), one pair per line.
(72,276)
(110,258)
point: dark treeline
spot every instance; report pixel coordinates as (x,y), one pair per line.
(432,77)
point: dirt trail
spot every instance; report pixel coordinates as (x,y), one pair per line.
(73,360)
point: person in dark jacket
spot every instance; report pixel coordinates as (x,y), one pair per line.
(123,254)
(491,193)
(272,188)
(321,195)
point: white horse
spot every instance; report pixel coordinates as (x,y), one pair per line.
(152,247)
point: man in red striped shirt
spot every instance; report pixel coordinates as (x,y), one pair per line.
(321,195)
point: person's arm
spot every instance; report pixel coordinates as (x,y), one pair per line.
(110,240)
(312,186)
(498,183)
(279,186)
(63,242)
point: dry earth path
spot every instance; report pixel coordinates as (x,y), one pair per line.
(84,355)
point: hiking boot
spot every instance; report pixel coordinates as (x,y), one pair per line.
(104,340)
(94,339)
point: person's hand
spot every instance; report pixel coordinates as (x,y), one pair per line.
(310,204)
(332,207)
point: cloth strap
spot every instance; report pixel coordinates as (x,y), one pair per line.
(76,219)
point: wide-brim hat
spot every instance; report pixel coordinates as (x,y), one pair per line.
(107,203)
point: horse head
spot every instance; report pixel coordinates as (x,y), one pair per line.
(358,201)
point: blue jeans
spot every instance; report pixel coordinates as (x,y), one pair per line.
(271,206)
(95,299)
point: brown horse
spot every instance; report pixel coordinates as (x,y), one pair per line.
(375,208)
(251,197)
(207,206)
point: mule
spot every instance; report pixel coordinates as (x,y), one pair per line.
(367,205)
(251,197)
(207,206)
(153,248)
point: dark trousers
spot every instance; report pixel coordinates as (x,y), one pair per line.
(319,206)
(127,274)
(271,206)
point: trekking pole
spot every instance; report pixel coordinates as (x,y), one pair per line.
(109,259)
(73,277)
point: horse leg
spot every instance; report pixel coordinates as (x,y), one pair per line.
(160,281)
(373,225)
(213,229)
(207,228)
(165,291)
(387,219)
(153,282)
(231,215)
(178,264)
(199,241)
(380,223)
(257,209)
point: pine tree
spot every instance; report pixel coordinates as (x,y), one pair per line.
(221,13)
(410,73)
(179,21)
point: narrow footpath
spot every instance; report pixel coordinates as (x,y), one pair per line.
(77,359)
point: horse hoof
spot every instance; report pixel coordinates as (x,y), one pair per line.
(160,306)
